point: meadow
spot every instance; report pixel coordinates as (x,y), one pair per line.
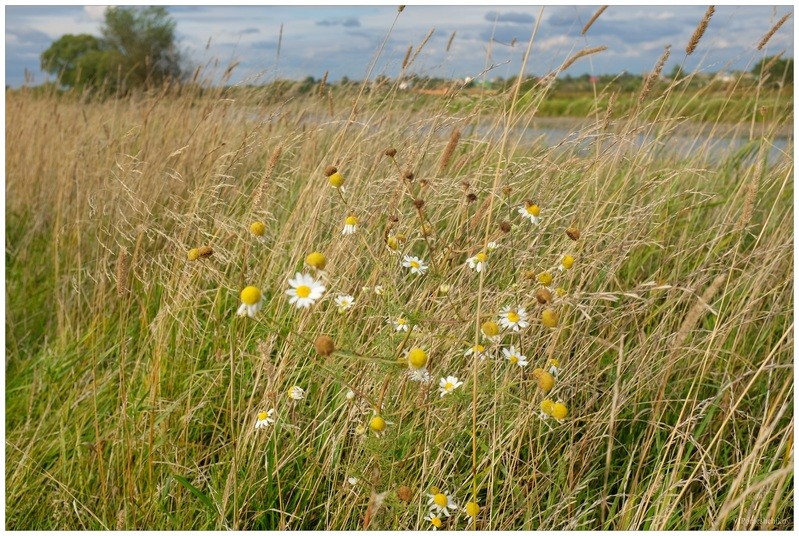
(622,359)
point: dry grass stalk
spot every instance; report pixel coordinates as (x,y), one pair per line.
(322,84)
(270,168)
(330,102)
(407,56)
(581,54)
(654,75)
(593,19)
(767,67)
(700,31)
(123,267)
(424,42)
(751,195)
(697,311)
(451,38)
(609,111)
(447,155)
(773,30)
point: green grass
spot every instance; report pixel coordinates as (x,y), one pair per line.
(131,403)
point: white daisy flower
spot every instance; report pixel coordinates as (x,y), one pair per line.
(305,290)
(350,394)
(531,212)
(344,302)
(250,301)
(350,225)
(296,393)
(401,324)
(492,245)
(434,520)
(513,318)
(265,419)
(441,503)
(514,357)
(419,375)
(478,262)
(352,481)
(417,265)
(379,290)
(448,384)
(553,367)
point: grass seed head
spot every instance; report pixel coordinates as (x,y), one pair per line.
(324,345)
(543,295)
(573,233)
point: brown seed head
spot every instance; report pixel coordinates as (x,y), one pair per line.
(507,190)
(390,152)
(405,494)
(505,226)
(205,251)
(471,198)
(324,345)
(408,175)
(329,170)
(418,203)
(573,232)
(424,182)
(543,295)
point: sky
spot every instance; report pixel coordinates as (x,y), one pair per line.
(344,40)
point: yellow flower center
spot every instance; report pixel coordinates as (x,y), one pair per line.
(559,410)
(545,278)
(351,220)
(513,317)
(194,254)
(472,509)
(533,210)
(303,291)
(478,348)
(414,264)
(401,321)
(377,423)
(317,260)
(436,521)
(440,500)
(513,359)
(481,257)
(335,180)
(449,386)
(549,318)
(490,329)
(262,416)
(417,358)
(258,228)
(546,406)
(568,261)
(250,295)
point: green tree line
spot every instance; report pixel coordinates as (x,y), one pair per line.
(137,49)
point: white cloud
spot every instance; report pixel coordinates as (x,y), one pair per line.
(95,13)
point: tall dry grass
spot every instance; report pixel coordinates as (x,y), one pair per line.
(132,388)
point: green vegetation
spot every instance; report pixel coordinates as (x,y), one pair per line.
(133,388)
(137,50)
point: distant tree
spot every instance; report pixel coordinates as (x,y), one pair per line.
(137,49)
(778,69)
